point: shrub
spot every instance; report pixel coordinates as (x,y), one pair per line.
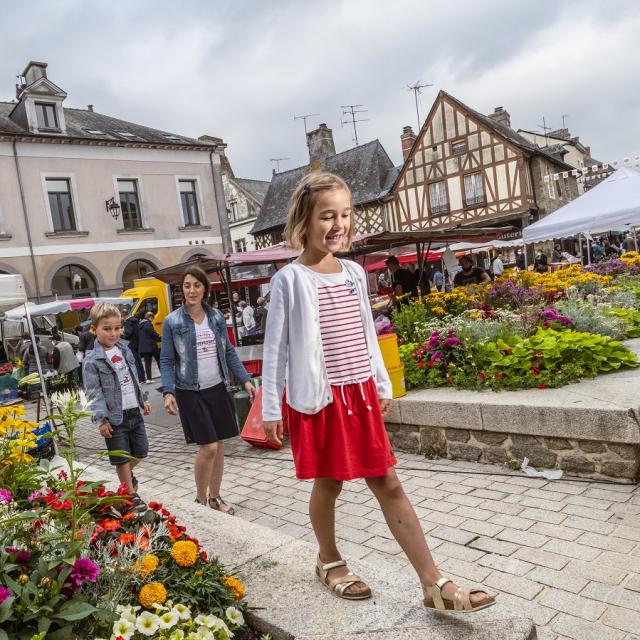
(593,319)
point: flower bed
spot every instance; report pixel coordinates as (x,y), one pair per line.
(524,330)
(75,562)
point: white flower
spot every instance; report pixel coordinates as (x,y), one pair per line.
(204,633)
(168,619)
(184,613)
(147,623)
(124,628)
(178,634)
(234,616)
(200,619)
(85,403)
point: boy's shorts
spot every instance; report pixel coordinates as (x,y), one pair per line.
(129,436)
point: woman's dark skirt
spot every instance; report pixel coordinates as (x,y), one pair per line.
(207,415)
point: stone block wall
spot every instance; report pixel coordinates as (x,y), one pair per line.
(588,458)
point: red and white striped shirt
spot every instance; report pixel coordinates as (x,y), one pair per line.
(343,339)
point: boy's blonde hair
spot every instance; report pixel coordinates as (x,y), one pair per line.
(303,201)
(103,310)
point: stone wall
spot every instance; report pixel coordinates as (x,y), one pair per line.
(589,458)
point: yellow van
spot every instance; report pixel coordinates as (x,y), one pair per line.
(150,294)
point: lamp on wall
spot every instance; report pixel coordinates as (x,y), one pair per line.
(113,208)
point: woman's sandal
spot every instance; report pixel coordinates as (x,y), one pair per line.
(217,503)
(461,602)
(340,585)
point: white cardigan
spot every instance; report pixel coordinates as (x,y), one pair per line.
(293,346)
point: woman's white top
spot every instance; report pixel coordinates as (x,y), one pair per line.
(209,374)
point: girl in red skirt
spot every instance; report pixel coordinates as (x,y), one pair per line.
(321,341)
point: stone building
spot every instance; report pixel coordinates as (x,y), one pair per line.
(465,168)
(244,199)
(367,169)
(61,167)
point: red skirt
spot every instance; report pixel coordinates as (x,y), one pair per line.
(344,441)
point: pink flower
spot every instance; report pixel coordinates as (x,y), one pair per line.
(5,594)
(84,570)
(5,496)
(36,495)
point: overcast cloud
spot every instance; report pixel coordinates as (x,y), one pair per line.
(241,70)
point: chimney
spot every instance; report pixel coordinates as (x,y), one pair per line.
(407,139)
(501,116)
(587,152)
(90,108)
(34,71)
(320,143)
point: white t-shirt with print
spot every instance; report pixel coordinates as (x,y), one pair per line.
(127,386)
(209,373)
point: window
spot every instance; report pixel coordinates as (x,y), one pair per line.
(438,197)
(458,147)
(189,202)
(473,189)
(234,210)
(130,204)
(240,245)
(61,205)
(46,115)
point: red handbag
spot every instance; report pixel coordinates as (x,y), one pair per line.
(253,432)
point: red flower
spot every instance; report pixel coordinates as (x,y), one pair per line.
(128,516)
(421,365)
(101,492)
(122,490)
(108,524)
(156,506)
(165,512)
(62,475)
(203,555)
(542,385)
(126,538)
(449,379)
(482,376)
(499,376)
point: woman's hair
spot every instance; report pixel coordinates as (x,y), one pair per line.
(199,274)
(303,201)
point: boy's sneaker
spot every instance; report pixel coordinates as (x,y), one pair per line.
(134,482)
(138,505)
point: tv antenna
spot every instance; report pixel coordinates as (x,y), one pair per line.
(417,88)
(545,129)
(304,119)
(564,117)
(351,111)
(278,161)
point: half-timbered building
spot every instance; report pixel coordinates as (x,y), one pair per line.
(465,168)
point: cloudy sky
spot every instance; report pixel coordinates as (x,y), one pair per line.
(241,69)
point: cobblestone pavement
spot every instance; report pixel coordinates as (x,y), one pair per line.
(564,553)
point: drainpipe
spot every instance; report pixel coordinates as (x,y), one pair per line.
(26,222)
(221,205)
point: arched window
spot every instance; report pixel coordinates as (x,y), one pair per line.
(198,256)
(75,281)
(134,270)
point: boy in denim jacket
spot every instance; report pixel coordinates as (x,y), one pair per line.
(117,400)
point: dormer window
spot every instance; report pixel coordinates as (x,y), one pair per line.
(46,115)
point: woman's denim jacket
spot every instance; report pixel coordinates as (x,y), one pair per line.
(178,355)
(102,386)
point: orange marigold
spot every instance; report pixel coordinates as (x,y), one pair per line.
(236,587)
(152,593)
(126,538)
(185,553)
(146,565)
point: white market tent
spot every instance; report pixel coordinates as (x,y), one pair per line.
(613,204)
(61,306)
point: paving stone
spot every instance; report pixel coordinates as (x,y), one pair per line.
(558,579)
(544,558)
(490,545)
(515,585)
(630,563)
(584,501)
(633,583)
(555,531)
(472,512)
(572,550)
(594,571)
(451,550)
(539,614)
(628,533)
(353,509)
(622,619)
(481,528)
(470,571)
(613,595)
(446,519)
(587,512)
(539,503)
(523,538)
(488,494)
(513,522)
(543,515)
(506,564)
(502,507)
(385,545)
(453,535)
(572,604)
(438,505)
(608,543)
(607,495)
(579,629)
(464,500)
(354,535)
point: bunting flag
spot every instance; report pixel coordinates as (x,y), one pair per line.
(597,170)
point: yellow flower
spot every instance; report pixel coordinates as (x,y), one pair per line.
(438,310)
(152,593)
(185,553)
(236,587)
(146,565)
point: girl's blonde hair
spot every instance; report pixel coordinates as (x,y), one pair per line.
(303,201)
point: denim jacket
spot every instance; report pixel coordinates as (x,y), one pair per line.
(178,356)
(102,386)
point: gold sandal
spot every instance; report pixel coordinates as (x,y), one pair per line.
(216,503)
(461,602)
(340,585)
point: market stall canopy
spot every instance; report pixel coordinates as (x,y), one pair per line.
(61,306)
(612,204)
(12,291)
(406,258)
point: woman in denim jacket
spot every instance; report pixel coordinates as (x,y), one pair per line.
(196,360)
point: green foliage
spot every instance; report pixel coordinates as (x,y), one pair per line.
(592,318)
(631,319)
(408,319)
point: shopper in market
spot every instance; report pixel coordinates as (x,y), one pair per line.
(470,274)
(148,344)
(196,363)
